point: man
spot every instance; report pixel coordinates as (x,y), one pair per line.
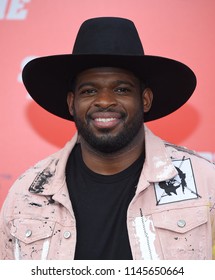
(115,191)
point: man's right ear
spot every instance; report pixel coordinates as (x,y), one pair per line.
(70,102)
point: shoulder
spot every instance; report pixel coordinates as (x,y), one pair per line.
(20,193)
(47,165)
(39,166)
(202,164)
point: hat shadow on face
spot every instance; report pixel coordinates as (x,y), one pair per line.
(175,128)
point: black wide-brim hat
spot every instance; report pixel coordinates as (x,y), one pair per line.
(108,42)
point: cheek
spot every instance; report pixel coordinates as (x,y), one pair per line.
(81,108)
(133,106)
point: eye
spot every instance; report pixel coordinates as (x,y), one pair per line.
(88,91)
(122,90)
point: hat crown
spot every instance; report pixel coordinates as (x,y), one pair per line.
(109,36)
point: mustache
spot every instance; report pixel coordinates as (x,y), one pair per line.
(106,110)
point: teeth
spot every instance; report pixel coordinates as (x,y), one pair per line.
(105,119)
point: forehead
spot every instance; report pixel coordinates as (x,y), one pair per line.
(106,73)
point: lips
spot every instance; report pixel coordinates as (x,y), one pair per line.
(106,119)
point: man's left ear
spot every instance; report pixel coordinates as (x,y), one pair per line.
(70,101)
(147,99)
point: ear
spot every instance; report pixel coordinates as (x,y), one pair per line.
(147,99)
(70,102)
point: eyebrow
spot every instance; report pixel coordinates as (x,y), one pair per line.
(85,84)
(117,82)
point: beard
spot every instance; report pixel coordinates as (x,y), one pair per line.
(107,142)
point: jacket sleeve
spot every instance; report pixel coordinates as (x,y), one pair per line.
(212,210)
(213,248)
(6,240)
(213,226)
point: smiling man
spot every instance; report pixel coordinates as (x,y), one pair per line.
(108,106)
(115,191)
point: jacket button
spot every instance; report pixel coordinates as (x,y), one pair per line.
(181,223)
(28,233)
(67,234)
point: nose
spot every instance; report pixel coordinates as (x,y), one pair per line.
(105,99)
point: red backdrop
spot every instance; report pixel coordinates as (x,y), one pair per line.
(179,29)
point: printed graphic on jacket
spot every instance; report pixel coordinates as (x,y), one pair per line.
(181,187)
(43,178)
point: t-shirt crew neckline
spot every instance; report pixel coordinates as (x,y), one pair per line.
(126,173)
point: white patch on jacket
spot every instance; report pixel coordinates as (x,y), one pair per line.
(146,234)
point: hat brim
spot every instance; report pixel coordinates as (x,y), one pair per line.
(47,80)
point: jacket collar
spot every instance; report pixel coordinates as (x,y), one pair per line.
(158,165)
(51,176)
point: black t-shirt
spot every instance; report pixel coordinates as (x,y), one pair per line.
(100,205)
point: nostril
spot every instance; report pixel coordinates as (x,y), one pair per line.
(105,99)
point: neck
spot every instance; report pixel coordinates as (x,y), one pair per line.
(109,164)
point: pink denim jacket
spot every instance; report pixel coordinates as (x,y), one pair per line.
(172,215)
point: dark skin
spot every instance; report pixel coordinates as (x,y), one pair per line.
(119,92)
